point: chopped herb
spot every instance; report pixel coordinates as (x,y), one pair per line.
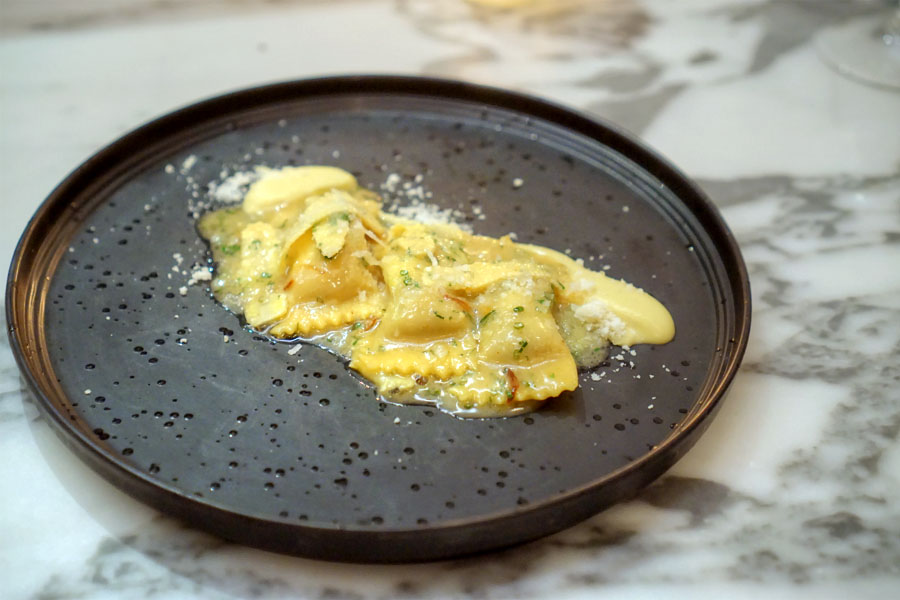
(265,275)
(356,325)
(255,244)
(230,249)
(561,285)
(519,309)
(355,340)
(437,314)
(485,317)
(519,325)
(522,345)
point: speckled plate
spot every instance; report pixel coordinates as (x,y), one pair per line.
(163,392)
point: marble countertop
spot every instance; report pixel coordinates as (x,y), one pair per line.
(792,492)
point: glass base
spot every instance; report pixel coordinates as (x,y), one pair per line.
(864,50)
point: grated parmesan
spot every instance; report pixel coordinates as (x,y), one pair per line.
(233,187)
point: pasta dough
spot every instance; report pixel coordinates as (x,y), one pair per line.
(430,314)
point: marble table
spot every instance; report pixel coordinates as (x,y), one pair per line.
(792,492)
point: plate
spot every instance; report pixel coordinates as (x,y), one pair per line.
(165,394)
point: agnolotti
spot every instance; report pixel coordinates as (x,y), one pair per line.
(429,313)
(302,265)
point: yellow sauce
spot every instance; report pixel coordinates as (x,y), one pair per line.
(429,313)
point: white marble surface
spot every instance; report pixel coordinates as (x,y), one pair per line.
(793,492)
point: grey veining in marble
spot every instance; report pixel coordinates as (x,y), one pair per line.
(792,492)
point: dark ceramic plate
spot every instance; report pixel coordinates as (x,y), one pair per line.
(292,452)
